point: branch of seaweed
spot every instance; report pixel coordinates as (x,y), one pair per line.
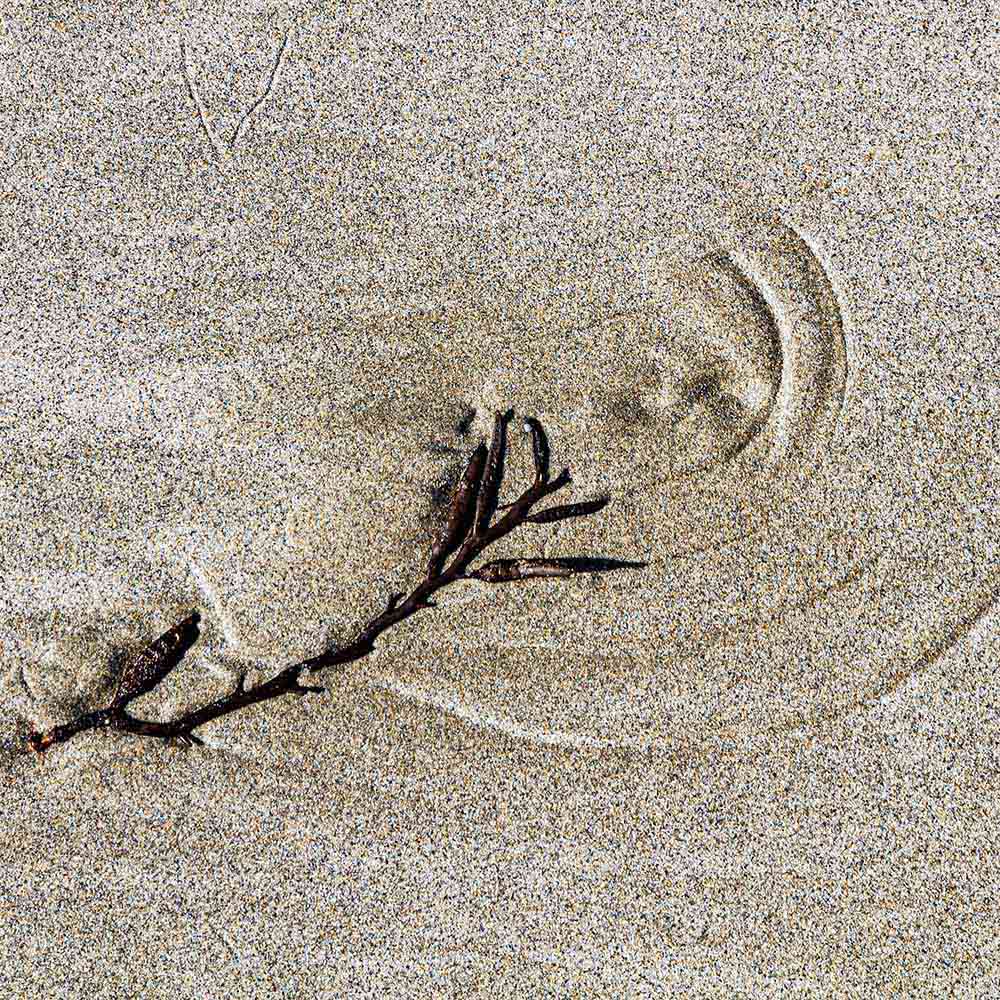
(470,527)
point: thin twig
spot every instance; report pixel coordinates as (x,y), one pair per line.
(468,530)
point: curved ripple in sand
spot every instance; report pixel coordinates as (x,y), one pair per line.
(778,589)
(778,592)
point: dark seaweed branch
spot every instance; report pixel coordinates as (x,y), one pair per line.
(568,510)
(465,534)
(144,671)
(539,450)
(508,570)
(460,512)
(486,505)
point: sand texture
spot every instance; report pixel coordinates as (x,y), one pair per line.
(269,269)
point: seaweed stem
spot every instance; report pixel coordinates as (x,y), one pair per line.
(466,534)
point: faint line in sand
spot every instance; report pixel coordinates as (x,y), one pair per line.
(212,597)
(224,938)
(259,103)
(220,150)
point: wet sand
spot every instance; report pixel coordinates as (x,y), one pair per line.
(260,308)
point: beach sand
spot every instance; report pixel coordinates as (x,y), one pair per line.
(268,274)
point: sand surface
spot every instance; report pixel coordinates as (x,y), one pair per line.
(268,271)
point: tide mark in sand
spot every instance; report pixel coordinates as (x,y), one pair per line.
(211,595)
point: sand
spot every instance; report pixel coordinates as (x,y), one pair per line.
(268,272)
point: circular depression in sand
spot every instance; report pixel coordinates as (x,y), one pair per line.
(784,584)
